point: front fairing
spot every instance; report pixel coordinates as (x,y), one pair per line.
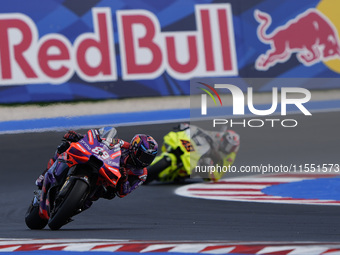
(92,146)
(190,153)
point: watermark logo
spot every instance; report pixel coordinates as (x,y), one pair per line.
(239,100)
(282,98)
(204,97)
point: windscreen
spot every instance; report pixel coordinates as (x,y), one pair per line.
(107,134)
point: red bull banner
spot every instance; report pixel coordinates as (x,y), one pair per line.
(62,51)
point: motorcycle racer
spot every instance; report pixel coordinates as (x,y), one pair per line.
(189,151)
(135,157)
(223,147)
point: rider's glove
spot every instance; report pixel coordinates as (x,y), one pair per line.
(62,148)
(73,136)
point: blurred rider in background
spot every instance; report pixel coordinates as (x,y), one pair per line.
(189,151)
(224,146)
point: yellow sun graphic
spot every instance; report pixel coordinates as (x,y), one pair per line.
(331,8)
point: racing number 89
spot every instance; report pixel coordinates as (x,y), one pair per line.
(101,152)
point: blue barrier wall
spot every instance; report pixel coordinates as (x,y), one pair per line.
(69,50)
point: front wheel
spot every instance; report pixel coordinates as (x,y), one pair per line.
(32,218)
(155,169)
(69,206)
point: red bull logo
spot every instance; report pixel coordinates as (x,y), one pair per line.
(146,52)
(311,36)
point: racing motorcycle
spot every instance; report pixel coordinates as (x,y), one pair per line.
(93,167)
(184,149)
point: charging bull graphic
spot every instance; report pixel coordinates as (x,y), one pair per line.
(310,35)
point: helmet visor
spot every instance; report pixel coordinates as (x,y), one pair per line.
(144,158)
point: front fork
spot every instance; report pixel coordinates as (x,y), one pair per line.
(60,194)
(52,178)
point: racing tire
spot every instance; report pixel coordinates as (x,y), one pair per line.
(155,169)
(69,206)
(32,218)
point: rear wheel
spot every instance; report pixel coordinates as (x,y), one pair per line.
(155,169)
(69,206)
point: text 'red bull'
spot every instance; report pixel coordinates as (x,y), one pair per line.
(311,35)
(145,51)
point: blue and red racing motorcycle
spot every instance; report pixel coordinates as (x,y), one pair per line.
(93,167)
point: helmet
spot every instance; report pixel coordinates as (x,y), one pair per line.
(143,150)
(230,142)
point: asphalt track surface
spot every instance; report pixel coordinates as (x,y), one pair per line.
(154,212)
